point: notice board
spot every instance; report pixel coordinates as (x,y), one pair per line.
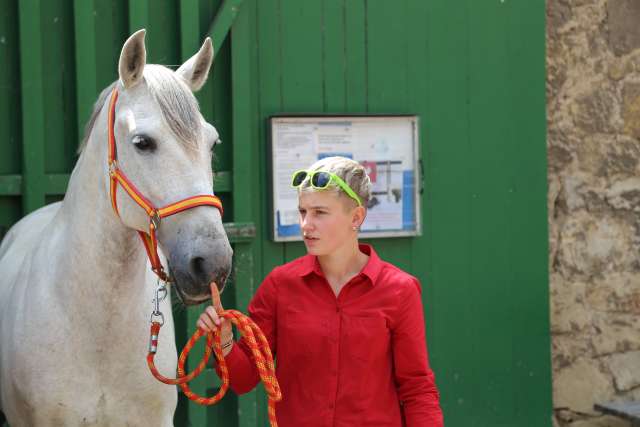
(388,148)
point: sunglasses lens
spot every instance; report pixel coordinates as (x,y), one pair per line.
(320,179)
(298,178)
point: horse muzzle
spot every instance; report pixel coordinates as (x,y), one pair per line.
(195,264)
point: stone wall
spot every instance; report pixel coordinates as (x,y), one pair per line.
(593,115)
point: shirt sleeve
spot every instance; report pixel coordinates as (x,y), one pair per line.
(243,374)
(414,379)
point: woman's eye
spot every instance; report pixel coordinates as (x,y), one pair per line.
(143,143)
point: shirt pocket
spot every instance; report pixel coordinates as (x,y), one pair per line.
(304,336)
(366,338)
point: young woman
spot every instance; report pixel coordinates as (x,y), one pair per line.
(345,327)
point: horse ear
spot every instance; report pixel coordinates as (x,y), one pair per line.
(132,60)
(195,71)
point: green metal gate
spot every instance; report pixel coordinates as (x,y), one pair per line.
(473,70)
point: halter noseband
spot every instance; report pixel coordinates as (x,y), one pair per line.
(155,215)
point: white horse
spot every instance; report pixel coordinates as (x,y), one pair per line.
(75,284)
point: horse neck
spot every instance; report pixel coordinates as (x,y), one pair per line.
(101,249)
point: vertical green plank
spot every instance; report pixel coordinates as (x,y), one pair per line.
(138,15)
(85,50)
(196,414)
(302,69)
(206,95)
(268,25)
(488,101)
(355,54)
(387,61)
(528,246)
(187,412)
(417,77)
(59,90)
(221,106)
(100,30)
(387,88)
(189,29)
(10,108)
(112,29)
(333,56)
(215,96)
(257,161)
(33,114)
(10,103)
(301,44)
(247,255)
(447,168)
(163,45)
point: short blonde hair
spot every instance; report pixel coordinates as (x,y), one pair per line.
(351,172)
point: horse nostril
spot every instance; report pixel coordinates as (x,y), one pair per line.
(197,267)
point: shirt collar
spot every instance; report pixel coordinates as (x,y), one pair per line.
(310,264)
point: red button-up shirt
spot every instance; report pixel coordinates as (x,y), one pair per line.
(356,360)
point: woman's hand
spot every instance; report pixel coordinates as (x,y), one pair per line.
(209,321)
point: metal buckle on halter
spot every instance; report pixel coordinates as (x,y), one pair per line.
(154,218)
(161,294)
(113,166)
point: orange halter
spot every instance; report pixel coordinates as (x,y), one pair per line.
(155,215)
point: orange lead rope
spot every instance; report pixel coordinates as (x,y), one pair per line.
(254,338)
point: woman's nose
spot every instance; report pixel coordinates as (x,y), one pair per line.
(305,224)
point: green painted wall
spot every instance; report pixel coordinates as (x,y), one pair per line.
(473,70)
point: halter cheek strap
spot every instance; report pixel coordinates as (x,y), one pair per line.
(155,214)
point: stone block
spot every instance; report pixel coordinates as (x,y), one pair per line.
(593,111)
(625,368)
(624,31)
(614,332)
(580,385)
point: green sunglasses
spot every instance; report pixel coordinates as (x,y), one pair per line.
(321,180)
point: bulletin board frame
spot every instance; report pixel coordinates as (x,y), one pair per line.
(387,145)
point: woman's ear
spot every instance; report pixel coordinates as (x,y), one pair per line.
(358,217)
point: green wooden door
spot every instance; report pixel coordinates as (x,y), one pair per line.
(472,70)
(474,73)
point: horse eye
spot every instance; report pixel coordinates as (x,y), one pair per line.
(143,143)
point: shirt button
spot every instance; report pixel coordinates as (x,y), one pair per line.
(337,309)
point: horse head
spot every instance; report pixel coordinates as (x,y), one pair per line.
(165,148)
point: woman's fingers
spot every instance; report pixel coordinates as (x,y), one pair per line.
(209,319)
(201,325)
(215,296)
(213,315)
(206,323)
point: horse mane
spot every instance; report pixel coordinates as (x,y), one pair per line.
(176,101)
